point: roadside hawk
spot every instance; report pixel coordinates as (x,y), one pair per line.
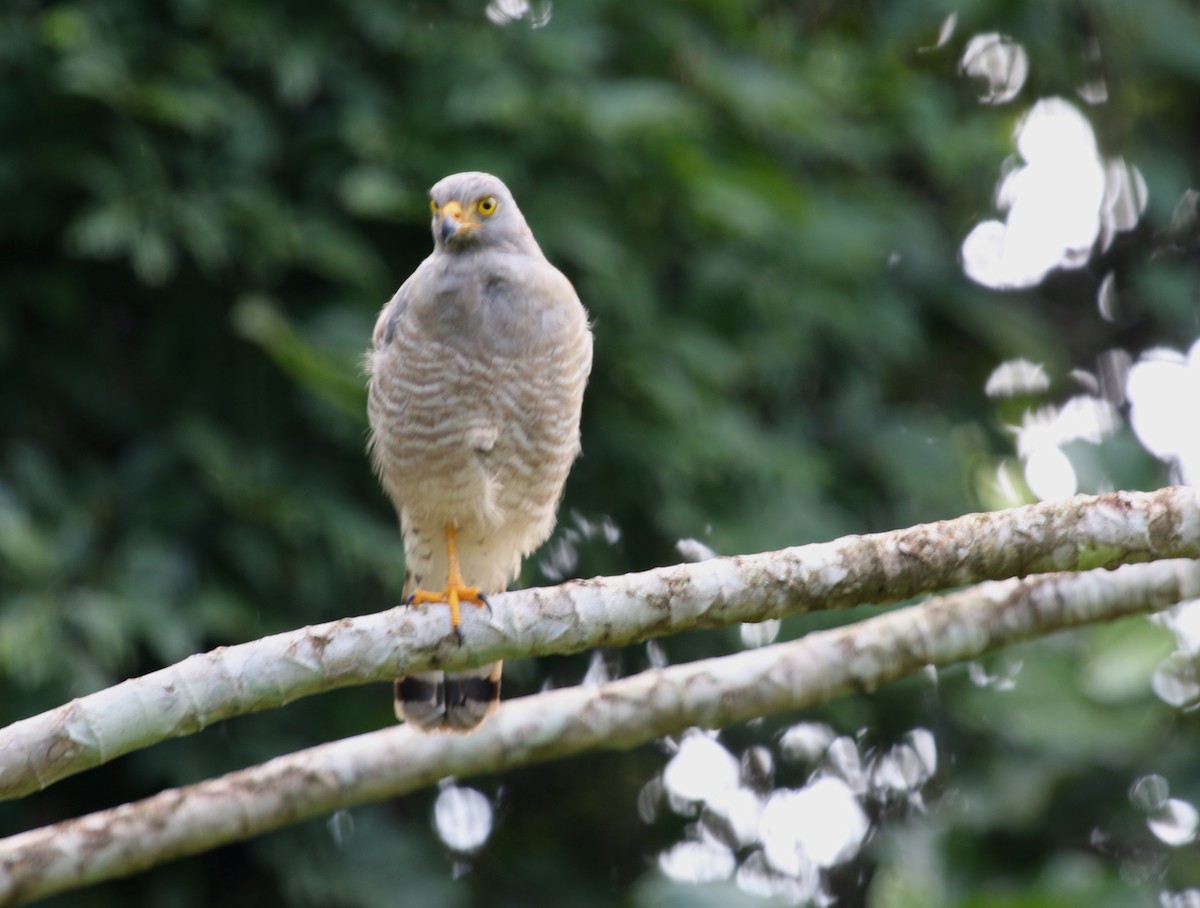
(477,373)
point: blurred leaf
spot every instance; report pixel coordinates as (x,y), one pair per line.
(1078,728)
(257,319)
(1121,658)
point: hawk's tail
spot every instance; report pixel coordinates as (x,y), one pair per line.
(449,701)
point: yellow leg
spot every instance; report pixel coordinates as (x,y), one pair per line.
(456,590)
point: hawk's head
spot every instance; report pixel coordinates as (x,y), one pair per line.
(475,209)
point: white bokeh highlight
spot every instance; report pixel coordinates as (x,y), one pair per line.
(822,823)
(1000,62)
(463,818)
(502,12)
(701,770)
(1175,823)
(1045,431)
(1163,389)
(807,741)
(697,862)
(1017,376)
(1172,820)
(1184,898)
(1061,200)
(782,842)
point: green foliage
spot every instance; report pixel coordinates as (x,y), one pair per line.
(761,204)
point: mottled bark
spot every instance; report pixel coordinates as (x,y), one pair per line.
(1072,535)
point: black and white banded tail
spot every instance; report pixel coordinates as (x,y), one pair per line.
(449,701)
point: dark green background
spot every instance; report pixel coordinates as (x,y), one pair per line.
(204,205)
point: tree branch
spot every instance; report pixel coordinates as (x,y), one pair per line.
(1081,532)
(619,714)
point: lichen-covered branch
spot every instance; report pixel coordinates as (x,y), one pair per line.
(712,692)
(1081,532)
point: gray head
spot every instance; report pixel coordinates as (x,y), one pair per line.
(475,210)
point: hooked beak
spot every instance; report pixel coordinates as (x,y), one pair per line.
(454,221)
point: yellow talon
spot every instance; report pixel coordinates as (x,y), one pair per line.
(456,590)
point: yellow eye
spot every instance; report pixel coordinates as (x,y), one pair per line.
(433,206)
(487,206)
